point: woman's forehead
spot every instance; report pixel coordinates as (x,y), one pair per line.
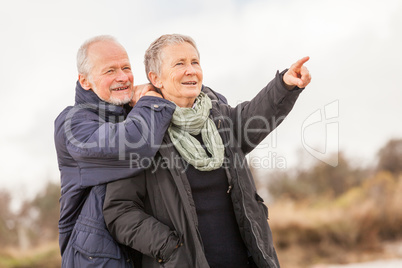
(181,50)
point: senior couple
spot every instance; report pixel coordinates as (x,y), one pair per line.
(195,204)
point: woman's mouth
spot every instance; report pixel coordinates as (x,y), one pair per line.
(189,83)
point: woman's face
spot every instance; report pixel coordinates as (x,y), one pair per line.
(181,75)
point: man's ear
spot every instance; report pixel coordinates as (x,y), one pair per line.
(85,84)
(154,78)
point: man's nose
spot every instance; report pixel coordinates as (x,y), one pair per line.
(121,76)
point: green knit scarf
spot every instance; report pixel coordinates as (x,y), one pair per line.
(193,121)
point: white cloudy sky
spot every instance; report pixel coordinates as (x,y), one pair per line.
(354,45)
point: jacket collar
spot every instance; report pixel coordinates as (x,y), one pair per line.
(89,98)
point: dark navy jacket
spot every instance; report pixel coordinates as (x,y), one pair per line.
(97,143)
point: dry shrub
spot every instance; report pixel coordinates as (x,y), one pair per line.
(307,225)
(44,256)
(359,220)
(377,209)
(388,192)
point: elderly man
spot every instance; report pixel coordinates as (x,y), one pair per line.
(96,141)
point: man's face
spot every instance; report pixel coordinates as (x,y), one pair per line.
(111,77)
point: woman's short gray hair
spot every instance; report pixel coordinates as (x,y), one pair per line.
(84,66)
(153,55)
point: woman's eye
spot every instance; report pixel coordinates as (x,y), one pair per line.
(195,62)
(179,63)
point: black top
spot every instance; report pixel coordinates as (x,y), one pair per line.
(217,224)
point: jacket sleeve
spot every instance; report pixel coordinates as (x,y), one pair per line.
(106,151)
(252,121)
(127,222)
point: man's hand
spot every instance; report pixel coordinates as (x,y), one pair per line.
(297,75)
(143,90)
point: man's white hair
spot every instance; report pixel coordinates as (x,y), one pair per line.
(84,66)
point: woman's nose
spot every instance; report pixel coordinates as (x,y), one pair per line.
(190,70)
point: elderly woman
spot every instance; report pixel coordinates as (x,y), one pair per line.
(197,205)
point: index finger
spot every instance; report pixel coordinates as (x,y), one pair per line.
(300,62)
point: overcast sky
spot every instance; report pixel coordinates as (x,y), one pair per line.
(355,50)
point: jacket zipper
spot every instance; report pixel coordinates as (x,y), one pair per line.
(229,188)
(229,179)
(251,224)
(244,208)
(242,193)
(175,173)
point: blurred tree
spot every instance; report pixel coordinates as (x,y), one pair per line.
(7,221)
(321,179)
(42,213)
(390,157)
(284,184)
(326,179)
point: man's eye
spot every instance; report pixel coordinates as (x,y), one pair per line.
(195,62)
(179,63)
(126,68)
(109,71)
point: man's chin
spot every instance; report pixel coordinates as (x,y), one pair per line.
(119,101)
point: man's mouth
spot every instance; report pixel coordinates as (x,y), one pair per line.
(120,88)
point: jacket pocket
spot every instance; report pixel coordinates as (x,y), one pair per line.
(94,242)
(261,203)
(173,242)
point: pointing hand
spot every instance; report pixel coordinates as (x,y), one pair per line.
(297,75)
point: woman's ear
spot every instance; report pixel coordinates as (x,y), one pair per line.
(154,78)
(85,84)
